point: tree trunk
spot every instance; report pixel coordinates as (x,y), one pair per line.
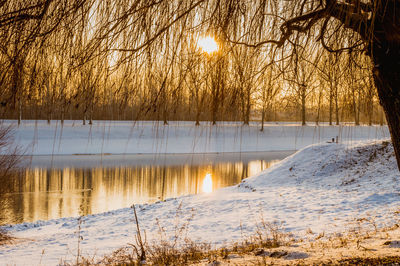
(215,101)
(318,108)
(303,105)
(356,121)
(62,113)
(358,109)
(165,107)
(330,106)
(197,115)
(336,106)
(165,114)
(214,107)
(19,112)
(247,109)
(387,80)
(370,111)
(262,117)
(91,115)
(370,103)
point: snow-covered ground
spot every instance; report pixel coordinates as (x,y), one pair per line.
(323,187)
(117,137)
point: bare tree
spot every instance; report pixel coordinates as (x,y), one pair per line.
(347,25)
(270,88)
(91,42)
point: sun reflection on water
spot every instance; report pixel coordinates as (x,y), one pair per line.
(50,193)
(207,184)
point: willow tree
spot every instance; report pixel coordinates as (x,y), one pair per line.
(378,28)
(129,27)
(368,26)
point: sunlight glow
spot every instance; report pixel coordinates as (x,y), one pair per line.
(208,45)
(207,184)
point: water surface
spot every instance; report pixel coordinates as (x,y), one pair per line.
(64,186)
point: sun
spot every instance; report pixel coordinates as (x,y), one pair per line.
(208,45)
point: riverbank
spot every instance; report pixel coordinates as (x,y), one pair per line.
(320,192)
(147,137)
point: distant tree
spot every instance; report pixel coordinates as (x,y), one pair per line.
(300,78)
(269,89)
(331,71)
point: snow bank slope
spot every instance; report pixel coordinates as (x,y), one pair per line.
(322,187)
(124,137)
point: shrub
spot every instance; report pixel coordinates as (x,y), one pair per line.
(10,158)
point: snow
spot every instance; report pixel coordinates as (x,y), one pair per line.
(323,188)
(124,137)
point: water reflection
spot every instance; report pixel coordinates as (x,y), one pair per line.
(207,184)
(48,193)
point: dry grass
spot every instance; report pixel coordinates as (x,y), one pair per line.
(180,250)
(158,254)
(5,238)
(363,243)
(269,245)
(268,235)
(175,249)
(389,260)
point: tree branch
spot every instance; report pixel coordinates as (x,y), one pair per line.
(17,16)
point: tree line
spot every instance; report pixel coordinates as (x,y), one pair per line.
(130,60)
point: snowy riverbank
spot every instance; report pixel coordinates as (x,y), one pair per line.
(124,137)
(322,188)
